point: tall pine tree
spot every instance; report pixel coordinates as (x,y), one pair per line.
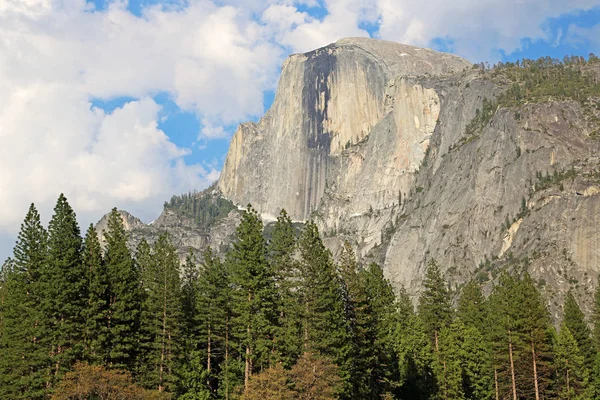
(124,298)
(435,308)
(254,293)
(574,319)
(96,311)
(161,318)
(24,363)
(64,287)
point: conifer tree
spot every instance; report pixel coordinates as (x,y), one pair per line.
(448,362)
(24,362)
(503,325)
(435,309)
(281,249)
(193,376)
(537,336)
(325,329)
(162,318)
(414,351)
(96,312)
(254,294)
(384,315)
(596,316)
(124,298)
(64,287)
(574,319)
(472,306)
(572,377)
(215,315)
(362,359)
(477,365)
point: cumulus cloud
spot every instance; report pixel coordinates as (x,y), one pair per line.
(213,58)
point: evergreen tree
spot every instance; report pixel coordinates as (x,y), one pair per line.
(448,362)
(325,329)
(538,338)
(435,309)
(574,319)
(477,365)
(124,298)
(596,316)
(254,293)
(572,377)
(415,353)
(215,315)
(64,288)
(162,318)
(362,359)
(24,362)
(96,312)
(472,306)
(384,315)
(281,249)
(504,336)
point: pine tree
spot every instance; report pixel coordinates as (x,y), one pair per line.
(384,313)
(415,353)
(537,336)
(448,362)
(325,329)
(64,287)
(162,318)
(504,336)
(281,249)
(96,312)
(254,294)
(477,365)
(215,315)
(124,298)
(596,316)
(362,327)
(193,376)
(435,309)
(572,377)
(472,306)
(574,319)
(24,363)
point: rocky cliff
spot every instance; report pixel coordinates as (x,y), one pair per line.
(385,146)
(412,155)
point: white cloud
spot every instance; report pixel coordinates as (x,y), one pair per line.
(215,58)
(477,28)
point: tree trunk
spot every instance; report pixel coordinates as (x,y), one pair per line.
(535,376)
(208,352)
(512,366)
(496,383)
(435,336)
(568,383)
(227,360)
(164,335)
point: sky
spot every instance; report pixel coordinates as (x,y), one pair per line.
(122,103)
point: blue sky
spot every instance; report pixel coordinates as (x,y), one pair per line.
(183,126)
(124,103)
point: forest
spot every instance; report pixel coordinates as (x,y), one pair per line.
(273,319)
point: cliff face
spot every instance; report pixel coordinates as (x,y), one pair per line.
(369,139)
(329,100)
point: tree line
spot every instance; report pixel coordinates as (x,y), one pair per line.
(273,319)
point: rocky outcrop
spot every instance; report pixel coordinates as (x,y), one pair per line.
(327,101)
(369,139)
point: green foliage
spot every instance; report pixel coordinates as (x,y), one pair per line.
(64,287)
(96,311)
(572,376)
(546,181)
(434,303)
(124,296)
(472,306)
(253,297)
(161,324)
(203,207)
(574,320)
(24,359)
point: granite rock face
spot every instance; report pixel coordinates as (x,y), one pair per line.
(368,138)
